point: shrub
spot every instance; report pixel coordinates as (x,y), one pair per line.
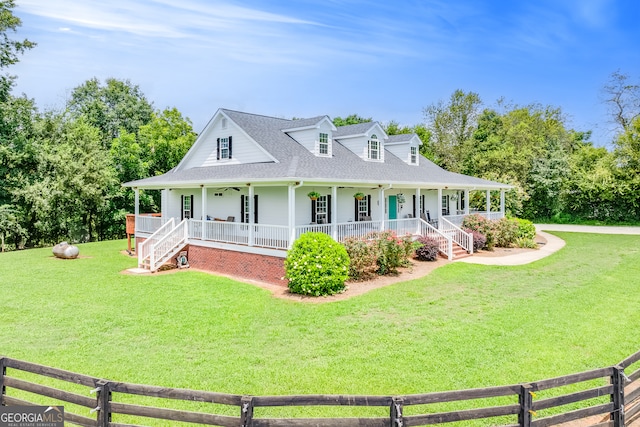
(482,225)
(428,250)
(363,256)
(316,265)
(392,251)
(526,229)
(479,240)
(506,232)
(526,234)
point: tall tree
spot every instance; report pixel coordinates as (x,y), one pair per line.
(118,105)
(623,99)
(9,48)
(452,125)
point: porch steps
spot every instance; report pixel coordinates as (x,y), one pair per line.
(164,260)
(458,252)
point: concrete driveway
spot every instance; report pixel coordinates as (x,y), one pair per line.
(553,244)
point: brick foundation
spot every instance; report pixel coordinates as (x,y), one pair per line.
(262,268)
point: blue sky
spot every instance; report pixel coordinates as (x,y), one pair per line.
(382,59)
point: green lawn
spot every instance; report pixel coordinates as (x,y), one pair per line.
(462,326)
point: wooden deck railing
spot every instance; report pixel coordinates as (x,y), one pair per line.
(603,397)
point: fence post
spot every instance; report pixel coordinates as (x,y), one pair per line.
(3,372)
(396,412)
(617,397)
(103,399)
(526,403)
(246,411)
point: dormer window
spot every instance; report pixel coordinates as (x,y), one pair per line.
(374,148)
(414,156)
(323,144)
(224,148)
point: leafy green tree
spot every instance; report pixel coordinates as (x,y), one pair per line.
(116,106)
(452,125)
(9,48)
(352,119)
(165,140)
(10,227)
(393,128)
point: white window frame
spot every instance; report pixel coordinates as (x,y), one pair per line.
(187,209)
(322,210)
(363,208)
(323,144)
(224,148)
(413,155)
(373,148)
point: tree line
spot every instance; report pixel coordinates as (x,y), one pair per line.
(61,170)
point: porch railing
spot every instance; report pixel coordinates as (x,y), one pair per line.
(145,249)
(457,219)
(149,224)
(278,236)
(462,238)
(445,242)
(168,245)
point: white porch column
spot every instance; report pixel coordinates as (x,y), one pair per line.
(502,203)
(334,212)
(165,204)
(250,237)
(466,201)
(204,203)
(292,213)
(439,212)
(203,212)
(488,202)
(381,202)
(136,203)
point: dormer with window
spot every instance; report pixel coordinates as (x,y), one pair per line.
(315,134)
(367,140)
(406,147)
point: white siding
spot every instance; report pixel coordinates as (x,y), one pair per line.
(360,146)
(244,150)
(309,138)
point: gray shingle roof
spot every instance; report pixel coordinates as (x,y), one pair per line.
(296,163)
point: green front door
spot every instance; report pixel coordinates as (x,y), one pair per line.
(393,207)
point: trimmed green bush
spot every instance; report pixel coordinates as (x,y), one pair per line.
(363,256)
(428,249)
(526,229)
(316,265)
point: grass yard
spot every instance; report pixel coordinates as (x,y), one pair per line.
(463,326)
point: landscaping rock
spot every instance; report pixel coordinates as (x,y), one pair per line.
(66,251)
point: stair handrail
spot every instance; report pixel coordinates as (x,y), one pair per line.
(461,237)
(176,238)
(146,247)
(445,244)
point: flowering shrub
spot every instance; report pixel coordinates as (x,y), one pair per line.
(479,241)
(428,249)
(482,225)
(316,265)
(506,232)
(363,256)
(392,251)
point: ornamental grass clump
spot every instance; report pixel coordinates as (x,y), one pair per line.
(316,265)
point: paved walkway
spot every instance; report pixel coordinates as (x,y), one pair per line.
(553,244)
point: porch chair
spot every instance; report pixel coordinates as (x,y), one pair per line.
(231,219)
